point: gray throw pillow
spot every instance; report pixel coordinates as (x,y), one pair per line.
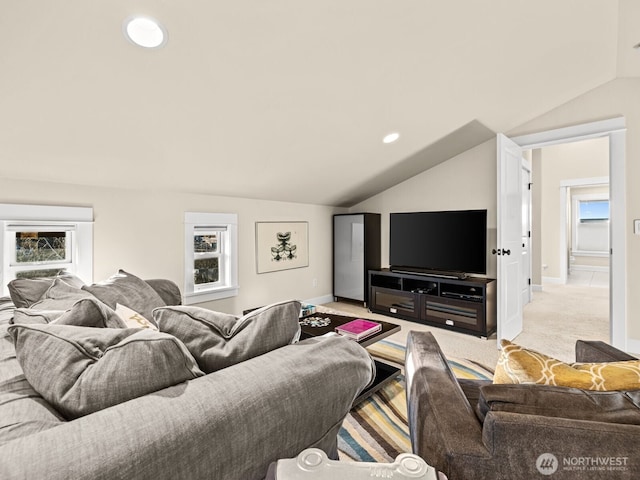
(28,316)
(90,312)
(81,370)
(218,340)
(168,290)
(128,290)
(86,312)
(60,296)
(27,291)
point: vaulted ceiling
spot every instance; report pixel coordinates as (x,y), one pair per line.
(288,100)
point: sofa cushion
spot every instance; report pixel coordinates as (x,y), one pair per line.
(80,370)
(133,319)
(86,312)
(6,310)
(60,296)
(28,316)
(520,365)
(564,402)
(168,290)
(90,312)
(22,410)
(471,388)
(129,290)
(218,340)
(598,351)
(27,291)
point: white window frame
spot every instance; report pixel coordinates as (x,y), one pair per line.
(575,240)
(76,221)
(226,225)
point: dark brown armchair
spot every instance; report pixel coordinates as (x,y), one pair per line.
(472,429)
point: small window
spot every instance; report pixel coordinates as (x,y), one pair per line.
(590,220)
(40,250)
(59,241)
(208,261)
(593,210)
(210,256)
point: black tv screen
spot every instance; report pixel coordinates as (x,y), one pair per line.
(450,241)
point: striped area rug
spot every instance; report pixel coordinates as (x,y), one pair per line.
(376,429)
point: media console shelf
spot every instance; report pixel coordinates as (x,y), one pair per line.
(467,306)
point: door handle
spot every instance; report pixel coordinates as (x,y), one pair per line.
(495,252)
(501,252)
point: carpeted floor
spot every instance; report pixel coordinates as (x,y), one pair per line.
(376,429)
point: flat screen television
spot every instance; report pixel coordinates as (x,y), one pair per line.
(449,241)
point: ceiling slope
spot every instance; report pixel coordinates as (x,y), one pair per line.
(284,100)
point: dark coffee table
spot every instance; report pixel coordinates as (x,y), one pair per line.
(384,372)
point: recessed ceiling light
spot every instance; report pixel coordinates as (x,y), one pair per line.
(390,138)
(145,32)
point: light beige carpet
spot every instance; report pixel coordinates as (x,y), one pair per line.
(562,314)
(553,321)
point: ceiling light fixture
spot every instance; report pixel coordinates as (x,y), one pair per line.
(144,32)
(390,138)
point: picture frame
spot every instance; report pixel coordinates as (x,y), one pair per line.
(281,246)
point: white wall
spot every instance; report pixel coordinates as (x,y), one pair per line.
(467,181)
(559,163)
(143,232)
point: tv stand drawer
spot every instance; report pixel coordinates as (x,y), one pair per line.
(395,302)
(454,313)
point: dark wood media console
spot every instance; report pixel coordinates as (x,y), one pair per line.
(467,306)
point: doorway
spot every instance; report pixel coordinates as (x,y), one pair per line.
(615,130)
(570,188)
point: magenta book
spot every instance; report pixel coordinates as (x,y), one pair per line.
(359,328)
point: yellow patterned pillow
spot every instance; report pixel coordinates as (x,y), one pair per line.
(520,365)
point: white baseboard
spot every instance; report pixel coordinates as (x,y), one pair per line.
(320,300)
(556,280)
(633,347)
(590,268)
(536,288)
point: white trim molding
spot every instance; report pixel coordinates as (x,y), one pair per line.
(320,300)
(590,268)
(77,220)
(633,347)
(574,133)
(227,286)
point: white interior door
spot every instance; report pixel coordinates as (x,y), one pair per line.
(526,232)
(509,235)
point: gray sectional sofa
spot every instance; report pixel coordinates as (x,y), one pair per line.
(220,421)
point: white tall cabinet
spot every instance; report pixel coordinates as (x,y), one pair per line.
(356,250)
